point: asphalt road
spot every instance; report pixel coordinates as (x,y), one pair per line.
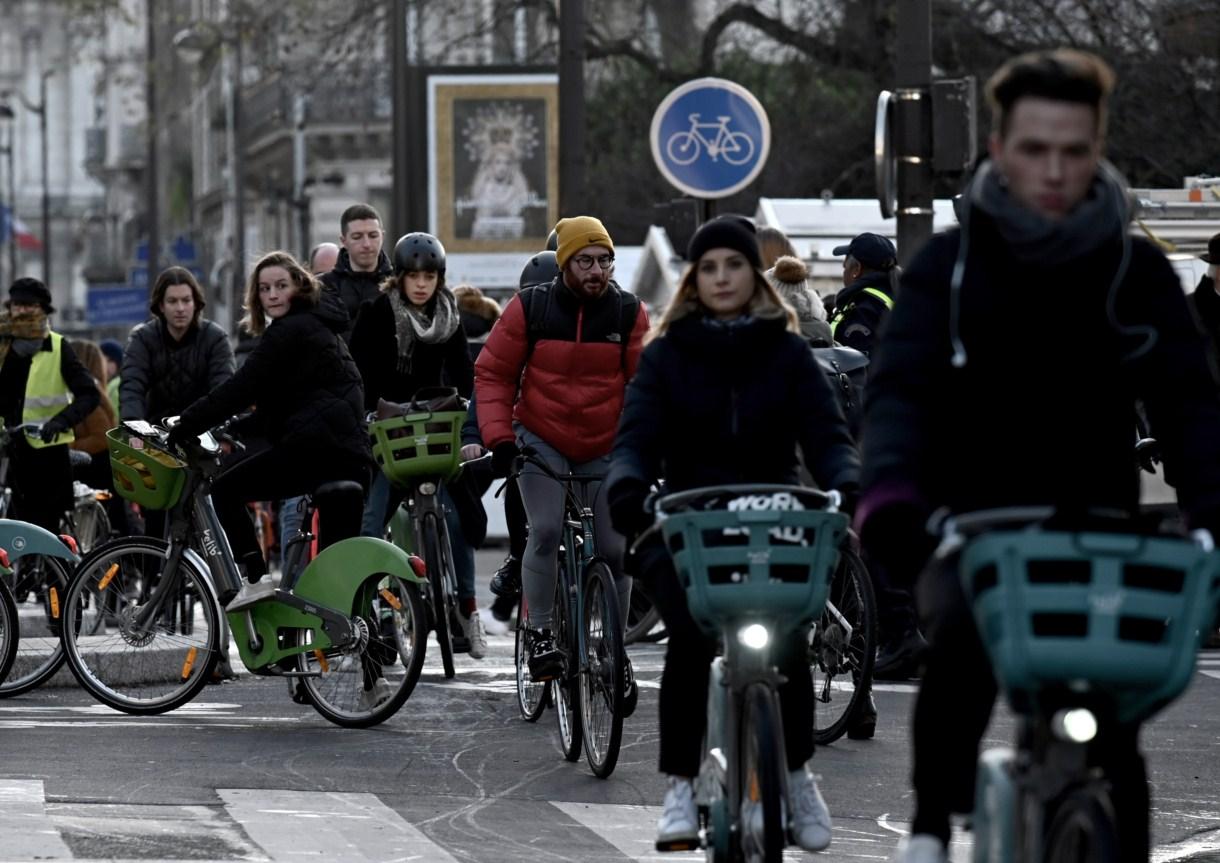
(244,774)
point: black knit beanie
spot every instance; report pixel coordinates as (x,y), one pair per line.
(726,232)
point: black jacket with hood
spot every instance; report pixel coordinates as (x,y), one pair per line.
(304,384)
(355,288)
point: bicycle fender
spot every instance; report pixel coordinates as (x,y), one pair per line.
(332,577)
(20,538)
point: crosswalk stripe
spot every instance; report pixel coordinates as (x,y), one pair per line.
(340,826)
(28,832)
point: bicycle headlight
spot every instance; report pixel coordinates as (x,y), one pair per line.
(754,636)
(427,488)
(1077,725)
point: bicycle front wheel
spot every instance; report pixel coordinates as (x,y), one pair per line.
(366,683)
(842,648)
(601,670)
(8,630)
(135,667)
(42,582)
(532,697)
(565,691)
(440,599)
(761,832)
(1082,830)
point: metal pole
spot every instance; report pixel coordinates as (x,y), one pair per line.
(152,205)
(12,203)
(46,183)
(913,122)
(571,106)
(298,173)
(399,206)
(239,216)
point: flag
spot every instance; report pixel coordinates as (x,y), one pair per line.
(18,231)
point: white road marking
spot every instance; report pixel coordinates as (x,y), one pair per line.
(28,831)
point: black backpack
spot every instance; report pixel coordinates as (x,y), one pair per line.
(536,304)
(847,369)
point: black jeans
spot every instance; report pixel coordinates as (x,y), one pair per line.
(279,473)
(953,709)
(684,682)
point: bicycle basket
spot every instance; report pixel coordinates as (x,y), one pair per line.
(1117,614)
(418,445)
(144,474)
(754,563)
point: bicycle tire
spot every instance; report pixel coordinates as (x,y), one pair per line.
(564,689)
(642,617)
(843,648)
(39,649)
(602,670)
(679,144)
(760,817)
(92,526)
(532,698)
(8,630)
(344,685)
(137,672)
(439,598)
(1082,829)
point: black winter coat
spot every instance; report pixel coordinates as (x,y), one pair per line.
(1043,411)
(862,313)
(355,288)
(302,380)
(1206,303)
(375,349)
(161,376)
(714,404)
(15,374)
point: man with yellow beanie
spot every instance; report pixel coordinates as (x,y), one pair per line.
(552,376)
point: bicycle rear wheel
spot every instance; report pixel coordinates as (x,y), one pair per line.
(601,670)
(8,630)
(565,691)
(642,616)
(369,681)
(1082,830)
(761,833)
(142,669)
(39,653)
(532,697)
(89,525)
(842,648)
(439,598)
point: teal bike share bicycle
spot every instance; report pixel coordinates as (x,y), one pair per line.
(350,627)
(755,578)
(1086,630)
(25,665)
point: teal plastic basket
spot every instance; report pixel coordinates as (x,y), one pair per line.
(755,564)
(1115,614)
(418,446)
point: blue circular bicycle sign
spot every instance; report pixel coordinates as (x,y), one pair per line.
(710,137)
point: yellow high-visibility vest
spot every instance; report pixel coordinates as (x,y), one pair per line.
(46,392)
(879,294)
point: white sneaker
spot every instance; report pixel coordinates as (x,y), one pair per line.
(920,848)
(472,628)
(678,826)
(381,691)
(491,625)
(809,822)
(252,593)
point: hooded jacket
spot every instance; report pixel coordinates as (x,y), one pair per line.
(161,376)
(304,384)
(354,288)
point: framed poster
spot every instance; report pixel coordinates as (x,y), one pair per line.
(493,159)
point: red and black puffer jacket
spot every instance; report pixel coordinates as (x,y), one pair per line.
(569,388)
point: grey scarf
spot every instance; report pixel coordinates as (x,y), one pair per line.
(1098,219)
(413,325)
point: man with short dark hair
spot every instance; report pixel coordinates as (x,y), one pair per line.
(362,264)
(868,291)
(966,412)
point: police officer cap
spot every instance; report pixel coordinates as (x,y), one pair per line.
(872,250)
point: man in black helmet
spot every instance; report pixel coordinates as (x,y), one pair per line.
(362,264)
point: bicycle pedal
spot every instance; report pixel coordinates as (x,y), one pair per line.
(669,845)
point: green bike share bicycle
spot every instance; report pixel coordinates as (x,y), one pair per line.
(1085,630)
(350,627)
(755,577)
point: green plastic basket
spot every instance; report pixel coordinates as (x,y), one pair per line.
(1114,614)
(415,446)
(144,474)
(772,564)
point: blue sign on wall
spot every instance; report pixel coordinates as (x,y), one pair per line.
(710,137)
(116,304)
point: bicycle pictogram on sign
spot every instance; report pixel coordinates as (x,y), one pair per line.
(685,147)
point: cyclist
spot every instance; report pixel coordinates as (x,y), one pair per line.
(309,405)
(725,391)
(964,412)
(410,337)
(552,376)
(41,381)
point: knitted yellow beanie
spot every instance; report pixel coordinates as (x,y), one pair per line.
(576,233)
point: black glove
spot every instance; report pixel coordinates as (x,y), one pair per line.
(897,538)
(626,499)
(178,436)
(503,455)
(54,427)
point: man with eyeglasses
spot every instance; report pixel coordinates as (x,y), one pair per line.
(552,376)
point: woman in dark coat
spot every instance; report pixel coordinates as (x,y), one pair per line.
(724,393)
(409,338)
(309,406)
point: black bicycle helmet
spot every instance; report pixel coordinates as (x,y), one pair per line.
(418,252)
(540,270)
(552,241)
